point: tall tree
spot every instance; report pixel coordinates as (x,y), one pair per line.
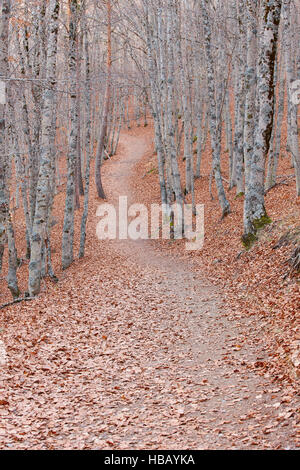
(40,234)
(255,215)
(104,123)
(215,120)
(68,228)
(4,202)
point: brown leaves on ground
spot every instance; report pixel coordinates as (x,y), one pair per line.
(258,284)
(135,348)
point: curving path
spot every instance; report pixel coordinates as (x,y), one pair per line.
(134,352)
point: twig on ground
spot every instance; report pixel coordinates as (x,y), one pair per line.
(17,301)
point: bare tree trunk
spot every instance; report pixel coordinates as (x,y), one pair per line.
(276,145)
(172,154)
(121,118)
(239,132)
(87,145)
(4,198)
(215,127)
(255,215)
(68,228)
(12,280)
(292,107)
(155,107)
(104,124)
(39,229)
(78,163)
(250,84)
(228,124)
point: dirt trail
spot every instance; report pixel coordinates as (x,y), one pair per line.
(139,355)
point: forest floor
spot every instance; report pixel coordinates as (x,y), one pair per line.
(140,345)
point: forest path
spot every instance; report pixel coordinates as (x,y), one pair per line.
(196,389)
(133,351)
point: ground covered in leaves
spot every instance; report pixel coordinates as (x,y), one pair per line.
(144,346)
(258,283)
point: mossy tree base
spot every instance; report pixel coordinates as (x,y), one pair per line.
(249,239)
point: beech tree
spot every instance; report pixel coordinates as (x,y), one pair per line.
(255,215)
(215,119)
(40,228)
(4,202)
(104,123)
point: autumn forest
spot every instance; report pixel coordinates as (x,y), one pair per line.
(149,225)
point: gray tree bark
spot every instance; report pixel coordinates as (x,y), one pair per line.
(215,126)
(68,228)
(40,229)
(255,215)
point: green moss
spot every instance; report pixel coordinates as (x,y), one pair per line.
(195,139)
(249,240)
(262,222)
(153,170)
(239,195)
(258,224)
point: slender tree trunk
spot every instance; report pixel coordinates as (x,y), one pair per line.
(104,125)
(155,109)
(172,154)
(276,145)
(78,164)
(39,229)
(4,198)
(68,228)
(200,114)
(255,215)
(228,124)
(292,107)
(215,127)
(239,158)
(87,146)
(250,85)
